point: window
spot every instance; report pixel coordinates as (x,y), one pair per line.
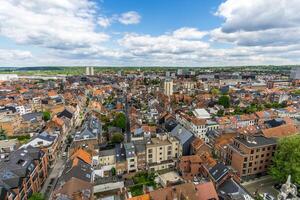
(244,172)
(264,149)
(257,150)
(160,148)
(269,148)
(250,164)
(255,169)
(252,151)
(245,159)
(256,156)
(244,165)
(268,154)
(150,156)
(262,155)
(149,150)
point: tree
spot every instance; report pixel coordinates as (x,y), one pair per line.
(36,196)
(46,115)
(3,135)
(220,113)
(113,171)
(224,100)
(117,138)
(286,160)
(120,121)
(215,92)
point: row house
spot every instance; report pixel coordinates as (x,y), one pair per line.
(246,120)
(7,147)
(23,173)
(89,137)
(265,115)
(32,122)
(11,124)
(198,126)
(47,143)
(192,166)
(125,157)
(76,181)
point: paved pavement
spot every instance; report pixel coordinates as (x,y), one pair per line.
(262,185)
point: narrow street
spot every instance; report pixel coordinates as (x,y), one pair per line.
(262,185)
(51,181)
(127,130)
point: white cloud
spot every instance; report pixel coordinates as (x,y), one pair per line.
(259,22)
(66,32)
(130,17)
(188,33)
(7,56)
(58,24)
(104,22)
(174,43)
(254,15)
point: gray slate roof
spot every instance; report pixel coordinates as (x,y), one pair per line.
(181,133)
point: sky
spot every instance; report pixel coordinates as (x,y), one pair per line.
(149,32)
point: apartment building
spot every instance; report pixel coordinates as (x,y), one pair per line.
(23,173)
(250,155)
(131,157)
(168,87)
(49,143)
(162,152)
(140,149)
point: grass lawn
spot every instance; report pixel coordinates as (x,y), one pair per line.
(23,139)
(141,179)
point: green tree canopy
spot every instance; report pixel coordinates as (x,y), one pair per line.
(224,100)
(113,171)
(215,91)
(46,115)
(117,138)
(3,135)
(286,160)
(220,113)
(36,196)
(120,121)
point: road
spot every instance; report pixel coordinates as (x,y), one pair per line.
(262,185)
(51,181)
(127,131)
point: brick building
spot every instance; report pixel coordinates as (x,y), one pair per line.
(23,173)
(250,155)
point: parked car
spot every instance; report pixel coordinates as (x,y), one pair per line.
(267,196)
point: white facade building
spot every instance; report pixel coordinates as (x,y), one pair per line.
(168,87)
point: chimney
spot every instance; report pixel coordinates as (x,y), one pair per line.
(180,130)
